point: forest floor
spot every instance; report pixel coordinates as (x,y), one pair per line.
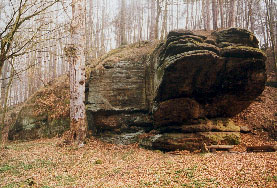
(43,163)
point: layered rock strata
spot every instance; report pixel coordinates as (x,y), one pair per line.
(200,78)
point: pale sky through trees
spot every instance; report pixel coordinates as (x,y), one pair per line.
(103,31)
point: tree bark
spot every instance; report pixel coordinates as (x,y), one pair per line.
(221,13)
(251,17)
(76,54)
(231,14)
(187,12)
(208,15)
(159,10)
(4,83)
(152,20)
(164,26)
(270,23)
(215,14)
(123,40)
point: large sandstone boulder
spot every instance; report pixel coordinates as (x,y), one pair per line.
(195,79)
(182,94)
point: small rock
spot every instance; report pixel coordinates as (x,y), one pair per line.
(245,129)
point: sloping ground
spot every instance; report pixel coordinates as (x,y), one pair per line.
(262,113)
(261,118)
(44,115)
(42,163)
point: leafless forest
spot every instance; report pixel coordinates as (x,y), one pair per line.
(33,53)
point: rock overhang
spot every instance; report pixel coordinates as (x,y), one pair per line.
(189,81)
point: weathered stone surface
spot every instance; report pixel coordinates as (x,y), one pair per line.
(45,114)
(183,93)
(245,129)
(30,125)
(177,111)
(201,125)
(116,95)
(189,141)
(236,36)
(220,82)
(118,86)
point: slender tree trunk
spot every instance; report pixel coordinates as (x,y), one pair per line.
(208,14)
(237,13)
(159,10)
(5,107)
(4,83)
(123,40)
(177,19)
(231,13)
(76,55)
(204,18)
(251,17)
(215,14)
(221,13)
(148,21)
(192,15)
(187,12)
(164,26)
(140,21)
(152,20)
(270,23)
(263,30)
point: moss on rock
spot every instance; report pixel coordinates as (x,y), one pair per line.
(45,114)
(236,36)
(228,138)
(243,52)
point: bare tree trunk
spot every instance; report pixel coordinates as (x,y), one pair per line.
(270,23)
(221,13)
(164,26)
(159,10)
(263,29)
(148,21)
(215,14)
(237,13)
(5,107)
(123,40)
(204,18)
(76,55)
(4,83)
(192,15)
(251,17)
(177,19)
(208,14)
(187,12)
(231,13)
(140,21)
(152,20)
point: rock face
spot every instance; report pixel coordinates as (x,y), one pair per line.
(45,114)
(29,125)
(205,80)
(183,93)
(116,99)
